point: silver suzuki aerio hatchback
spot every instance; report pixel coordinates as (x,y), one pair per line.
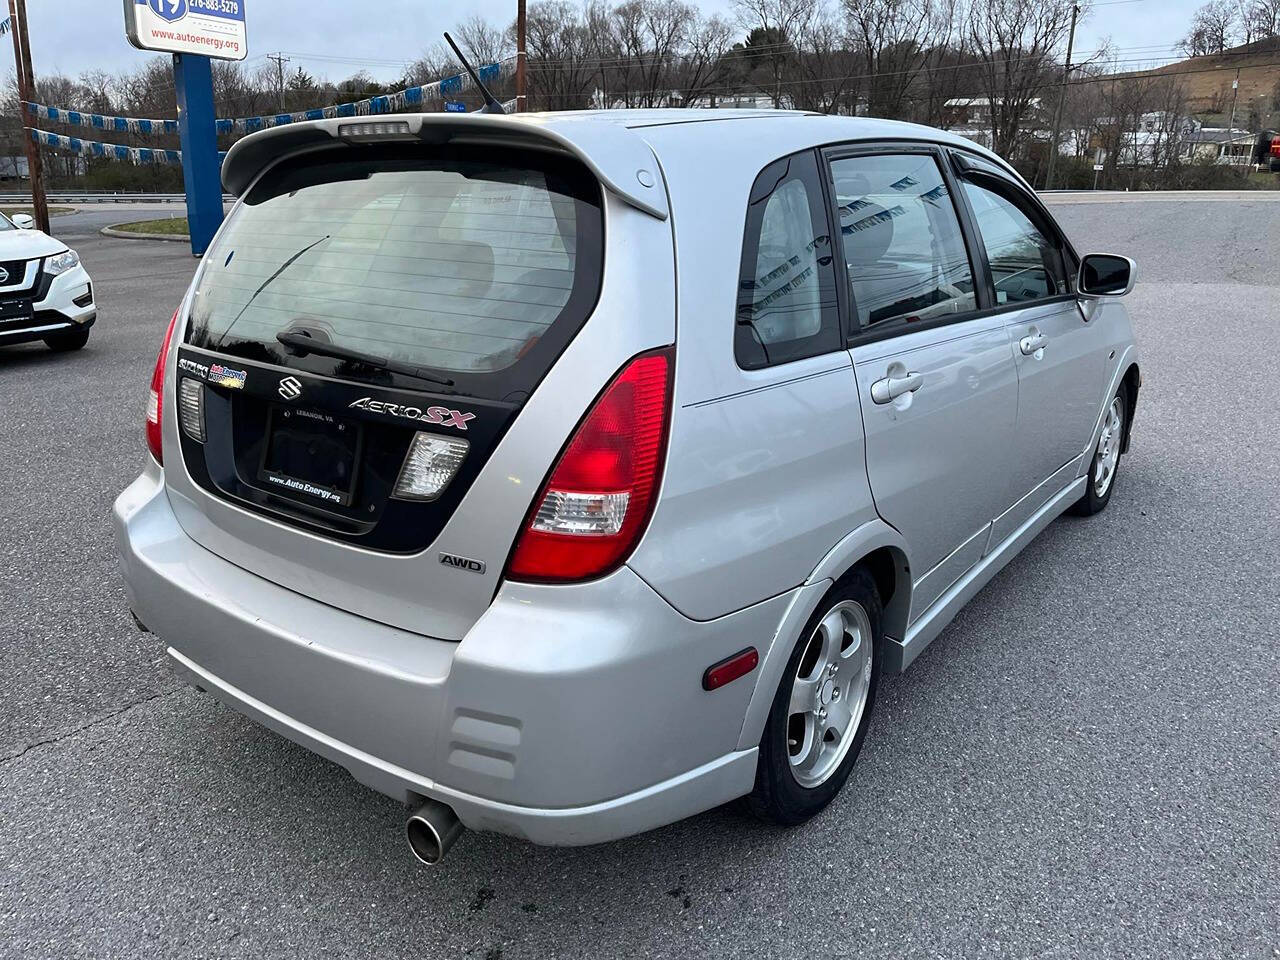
(568,474)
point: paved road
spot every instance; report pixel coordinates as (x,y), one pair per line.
(1086,763)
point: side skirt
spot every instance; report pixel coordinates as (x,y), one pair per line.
(900,654)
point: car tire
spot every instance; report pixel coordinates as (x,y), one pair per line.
(66,342)
(1101,480)
(792,781)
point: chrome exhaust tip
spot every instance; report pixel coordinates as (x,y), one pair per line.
(431,831)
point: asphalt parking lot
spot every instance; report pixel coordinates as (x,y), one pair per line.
(1086,763)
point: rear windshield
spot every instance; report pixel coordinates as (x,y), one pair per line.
(480,266)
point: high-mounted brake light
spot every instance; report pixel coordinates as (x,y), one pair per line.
(597,501)
(155,399)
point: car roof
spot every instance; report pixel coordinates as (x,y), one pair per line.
(617,145)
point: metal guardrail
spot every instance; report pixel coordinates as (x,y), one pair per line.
(99,196)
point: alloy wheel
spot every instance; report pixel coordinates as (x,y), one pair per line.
(1108,453)
(829,693)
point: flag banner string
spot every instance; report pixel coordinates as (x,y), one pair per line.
(390,103)
(110,151)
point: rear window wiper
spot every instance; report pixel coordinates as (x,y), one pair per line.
(303,341)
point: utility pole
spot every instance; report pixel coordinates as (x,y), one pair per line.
(522,80)
(1231,124)
(26,92)
(280,60)
(1062,100)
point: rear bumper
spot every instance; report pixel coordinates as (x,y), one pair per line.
(57,312)
(565,716)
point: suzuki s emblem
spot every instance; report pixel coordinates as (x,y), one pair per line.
(290,388)
(4,275)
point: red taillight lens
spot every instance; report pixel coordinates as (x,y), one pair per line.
(155,399)
(596,503)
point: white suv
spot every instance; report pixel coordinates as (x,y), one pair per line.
(45,293)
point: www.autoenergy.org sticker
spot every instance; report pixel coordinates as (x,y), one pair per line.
(301,486)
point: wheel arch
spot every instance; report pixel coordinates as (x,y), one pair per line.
(883,552)
(1132,380)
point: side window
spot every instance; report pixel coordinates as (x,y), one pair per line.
(1026,264)
(787,307)
(903,247)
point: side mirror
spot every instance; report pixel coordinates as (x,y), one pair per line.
(1104,275)
(23,222)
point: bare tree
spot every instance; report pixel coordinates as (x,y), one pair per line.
(1015,44)
(705,68)
(1262,19)
(563,60)
(781,22)
(483,42)
(897,38)
(1212,29)
(649,37)
(826,68)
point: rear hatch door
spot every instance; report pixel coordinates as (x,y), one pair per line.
(438,287)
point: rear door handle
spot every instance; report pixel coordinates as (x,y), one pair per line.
(891,388)
(1029,345)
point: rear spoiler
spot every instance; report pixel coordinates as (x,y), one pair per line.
(619,157)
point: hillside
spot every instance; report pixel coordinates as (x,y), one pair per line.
(1208,79)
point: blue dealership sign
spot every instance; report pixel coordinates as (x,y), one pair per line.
(210,28)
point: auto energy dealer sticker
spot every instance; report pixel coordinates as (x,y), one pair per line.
(217,374)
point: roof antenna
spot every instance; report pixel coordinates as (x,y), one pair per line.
(490,104)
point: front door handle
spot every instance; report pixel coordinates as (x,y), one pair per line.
(892,387)
(1029,345)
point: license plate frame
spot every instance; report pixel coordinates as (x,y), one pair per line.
(17,309)
(294,424)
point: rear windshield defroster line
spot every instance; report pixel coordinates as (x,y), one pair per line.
(477,264)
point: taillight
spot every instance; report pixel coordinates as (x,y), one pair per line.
(155,399)
(596,503)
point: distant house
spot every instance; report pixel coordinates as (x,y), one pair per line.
(970,117)
(740,101)
(13,168)
(1156,136)
(1227,146)
(976,111)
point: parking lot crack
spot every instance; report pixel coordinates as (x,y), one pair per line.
(97,721)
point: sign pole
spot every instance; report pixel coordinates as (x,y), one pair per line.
(27,92)
(201,171)
(522,79)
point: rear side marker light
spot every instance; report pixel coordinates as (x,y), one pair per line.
(596,503)
(191,408)
(155,399)
(726,671)
(432,462)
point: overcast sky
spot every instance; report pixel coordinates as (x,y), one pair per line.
(335,38)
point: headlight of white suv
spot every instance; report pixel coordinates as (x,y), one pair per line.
(61,263)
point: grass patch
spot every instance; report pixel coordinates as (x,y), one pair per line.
(170,226)
(28,211)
